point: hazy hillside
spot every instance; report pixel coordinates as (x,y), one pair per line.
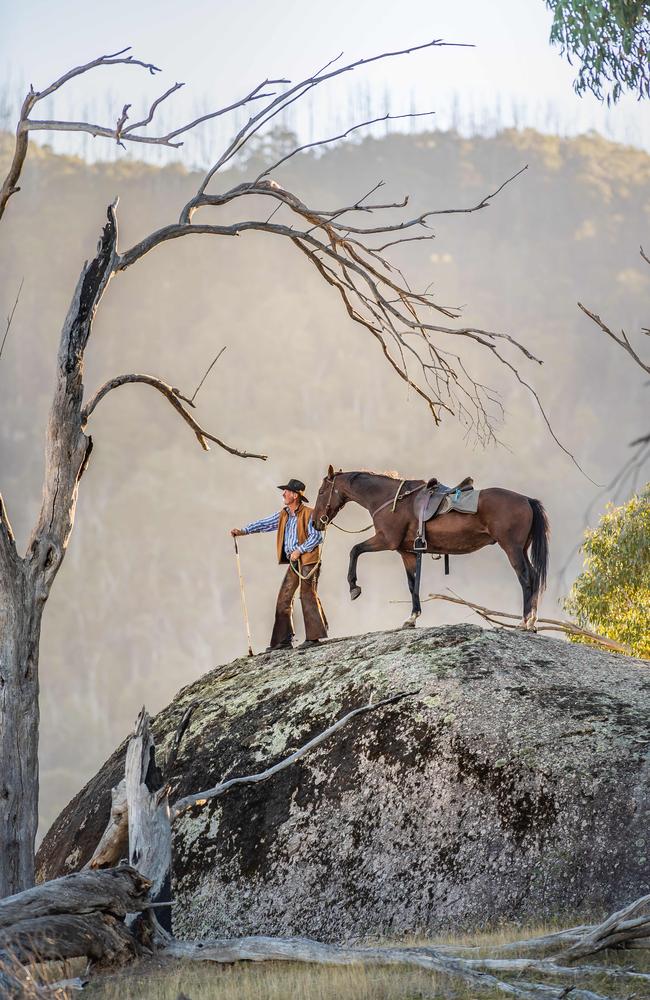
(148,598)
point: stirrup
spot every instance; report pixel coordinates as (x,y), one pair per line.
(420,544)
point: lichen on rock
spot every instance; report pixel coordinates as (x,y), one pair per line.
(513,785)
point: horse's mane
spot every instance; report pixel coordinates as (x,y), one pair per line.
(387,474)
(391,474)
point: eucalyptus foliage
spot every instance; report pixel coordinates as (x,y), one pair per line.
(612,594)
(610,40)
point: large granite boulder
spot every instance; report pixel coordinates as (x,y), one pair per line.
(513,785)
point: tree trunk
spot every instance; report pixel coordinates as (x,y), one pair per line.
(25,583)
(20,627)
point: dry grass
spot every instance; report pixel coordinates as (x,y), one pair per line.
(266,981)
(37,981)
(157,979)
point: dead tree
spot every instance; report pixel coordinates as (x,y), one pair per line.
(352,257)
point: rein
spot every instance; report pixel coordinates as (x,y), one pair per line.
(349,531)
(296,566)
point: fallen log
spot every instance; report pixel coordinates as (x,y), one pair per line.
(77,916)
(100,937)
(263,949)
(632,923)
(117,891)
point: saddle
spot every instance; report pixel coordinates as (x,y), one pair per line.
(427,505)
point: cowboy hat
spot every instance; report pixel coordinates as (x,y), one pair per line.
(296,487)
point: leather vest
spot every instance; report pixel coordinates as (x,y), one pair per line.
(303,514)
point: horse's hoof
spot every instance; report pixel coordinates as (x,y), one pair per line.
(409,623)
(354,593)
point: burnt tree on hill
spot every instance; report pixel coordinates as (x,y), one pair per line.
(352,257)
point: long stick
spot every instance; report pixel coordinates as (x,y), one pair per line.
(243,600)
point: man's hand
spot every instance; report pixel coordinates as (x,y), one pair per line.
(295,555)
(236,531)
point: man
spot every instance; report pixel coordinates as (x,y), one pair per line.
(298,543)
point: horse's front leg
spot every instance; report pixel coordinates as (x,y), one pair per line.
(375,544)
(410,562)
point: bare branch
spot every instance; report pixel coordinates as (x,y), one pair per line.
(113,59)
(254,96)
(543,624)
(11,316)
(103,131)
(622,341)
(341,135)
(10,183)
(210,367)
(152,109)
(201,797)
(119,132)
(421,219)
(401,240)
(275,107)
(173,396)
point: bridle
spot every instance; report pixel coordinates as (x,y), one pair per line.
(324,516)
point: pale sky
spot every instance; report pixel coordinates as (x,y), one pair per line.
(221,48)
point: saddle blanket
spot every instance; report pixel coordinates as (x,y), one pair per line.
(466,502)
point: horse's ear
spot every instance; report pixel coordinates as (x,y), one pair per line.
(330,472)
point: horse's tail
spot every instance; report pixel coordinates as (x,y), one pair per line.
(538,540)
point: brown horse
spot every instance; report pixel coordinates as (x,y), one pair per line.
(517,523)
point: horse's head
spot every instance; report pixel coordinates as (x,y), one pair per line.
(330,500)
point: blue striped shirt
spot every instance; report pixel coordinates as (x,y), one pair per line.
(271,523)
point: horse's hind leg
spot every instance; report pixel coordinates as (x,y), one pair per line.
(374,544)
(409,560)
(531,621)
(519,562)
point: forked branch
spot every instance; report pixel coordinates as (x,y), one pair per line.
(120,132)
(173,396)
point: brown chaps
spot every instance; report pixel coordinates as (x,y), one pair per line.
(312,610)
